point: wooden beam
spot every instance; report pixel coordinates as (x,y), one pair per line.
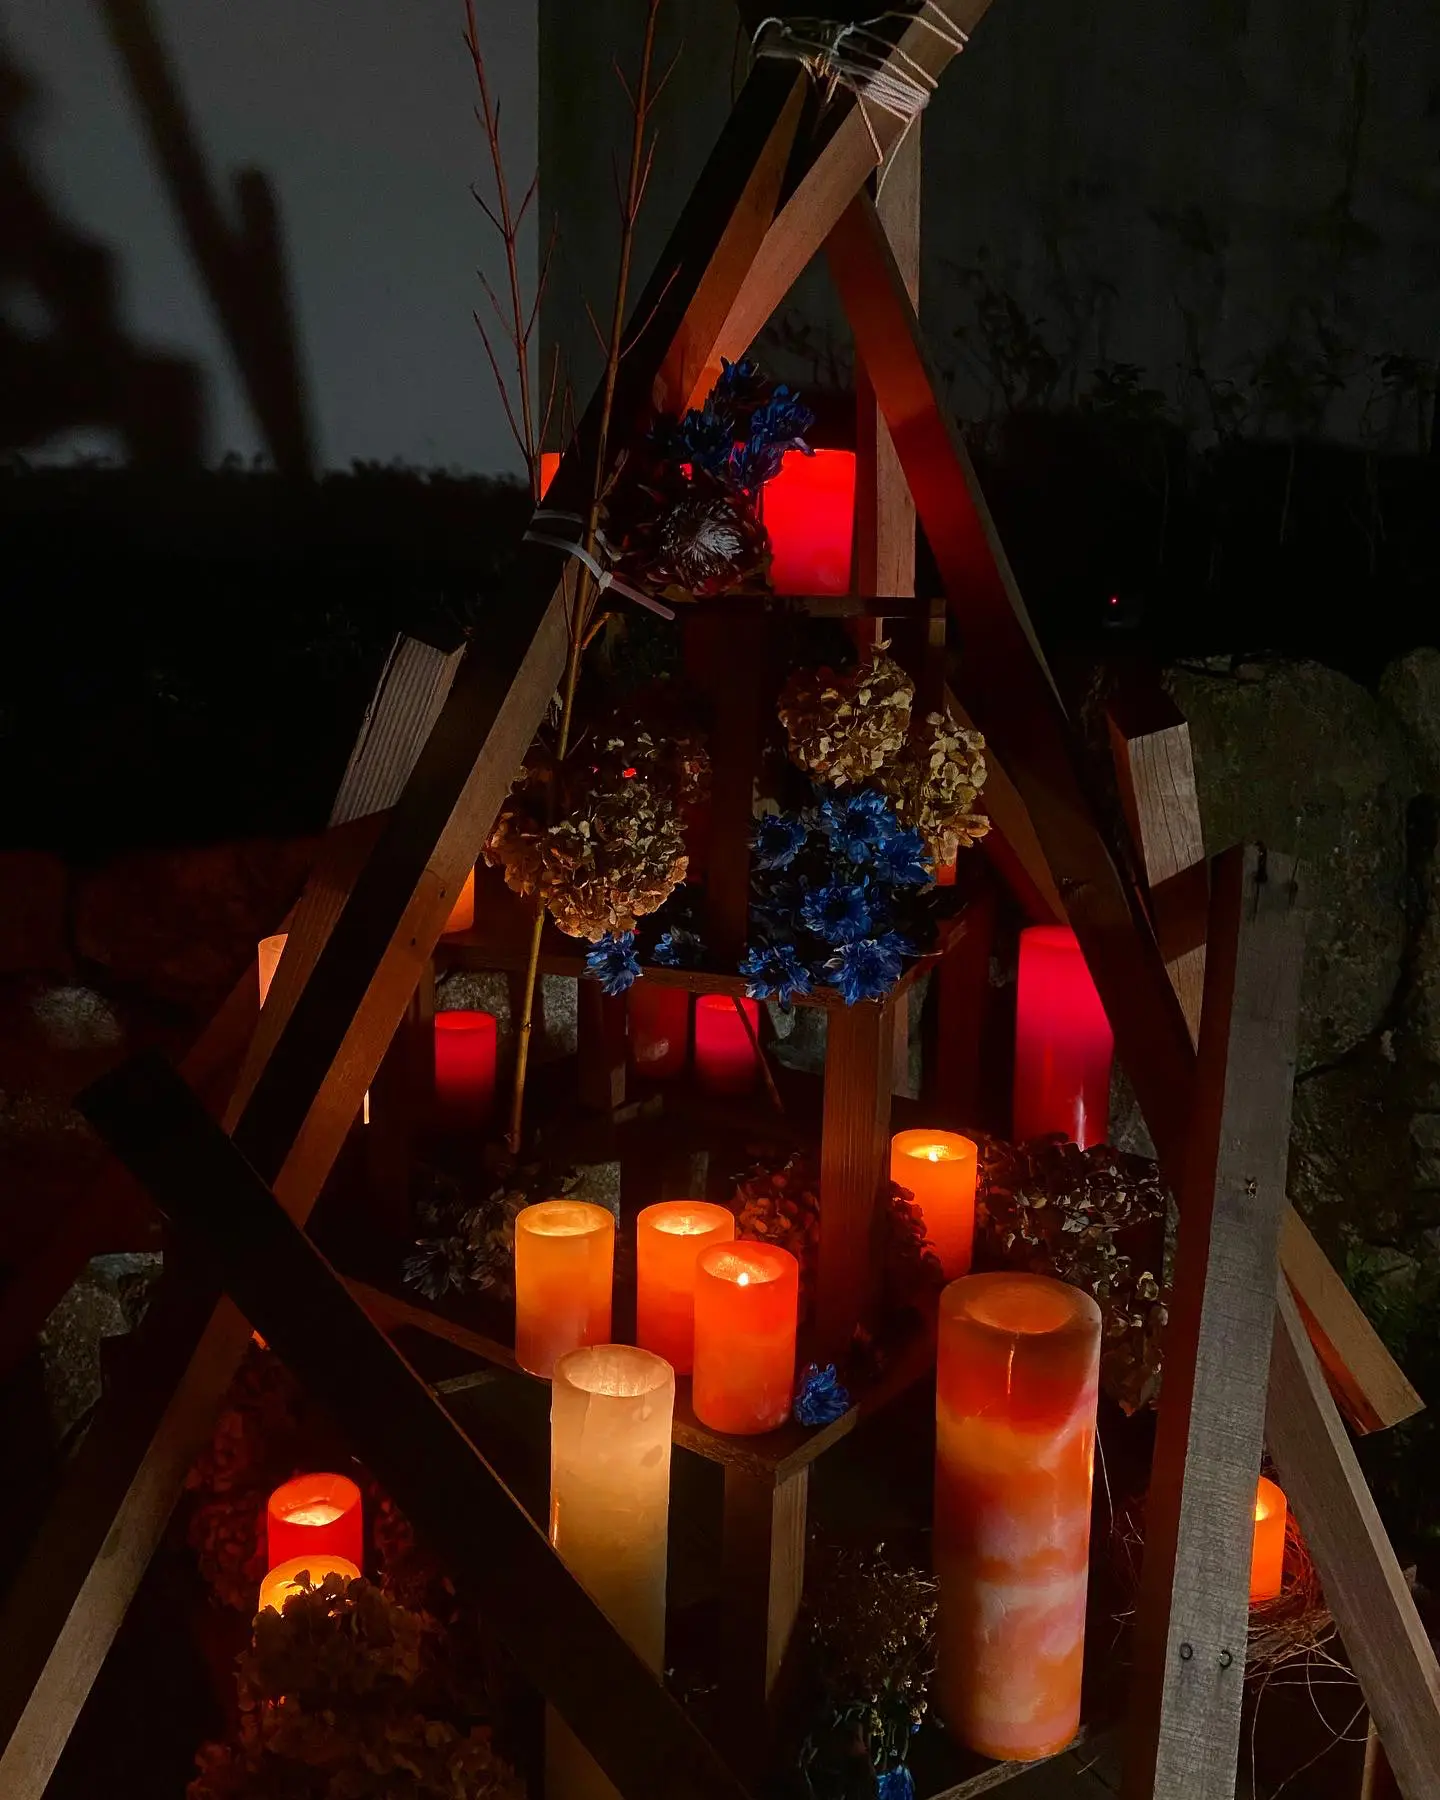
(854,1144)
(1363,1583)
(1005,683)
(763,1576)
(557,1636)
(1155,769)
(1012,843)
(1191,1621)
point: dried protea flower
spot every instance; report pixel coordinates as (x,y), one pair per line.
(844,728)
(935,783)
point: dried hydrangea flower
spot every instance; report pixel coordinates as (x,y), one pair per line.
(935,783)
(843,728)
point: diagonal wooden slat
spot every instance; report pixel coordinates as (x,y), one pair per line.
(1193,1611)
(639,1735)
(1005,684)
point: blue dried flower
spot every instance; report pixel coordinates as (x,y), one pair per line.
(895,1784)
(777,426)
(614,962)
(839,912)
(902,861)
(737,379)
(774,972)
(856,823)
(778,839)
(868,968)
(821,1400)
(678,949)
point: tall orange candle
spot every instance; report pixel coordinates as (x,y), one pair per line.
(668,1241)
(659,1021)
(939,1169)
(564,1270)
(725,1059)
(281,1582)
(1017,1385)
(462,913)
(315,1515)
(1267,1555)
(747,1298)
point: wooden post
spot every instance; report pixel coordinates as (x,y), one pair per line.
(1363,1583)
(600,1041)
(727,657)
(559,1638)
(763,1575)
(854,1144)
(1155,769)
(962,984)
(1190,1632)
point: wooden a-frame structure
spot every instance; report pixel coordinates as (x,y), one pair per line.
(443,739)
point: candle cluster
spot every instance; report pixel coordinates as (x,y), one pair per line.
(314,1526)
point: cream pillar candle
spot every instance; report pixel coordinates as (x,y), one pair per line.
(1016,1390)
(611,1410)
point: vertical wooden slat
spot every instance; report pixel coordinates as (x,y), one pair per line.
(854,1143)
(962,986)
(1190,1632)
(763,1575)
(600,1034)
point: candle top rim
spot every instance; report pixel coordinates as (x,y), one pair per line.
(1270,1501)
(613,1372)
(685,1218)
(726,1003)
(322,1488)
(935,1146)
(564,1218)
(465,1019)
(746,1264)
(278,937)
(317,1565)
(1019,1305)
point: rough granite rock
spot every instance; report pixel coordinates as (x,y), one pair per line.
(107,1299)
(1351,1155)
(489,992)
(34,896)
(1305,759)
(1410,687)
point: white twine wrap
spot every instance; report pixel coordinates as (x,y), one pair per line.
(604,577)
(862,58)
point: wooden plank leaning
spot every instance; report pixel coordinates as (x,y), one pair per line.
(1005,684)
(557,1636)
(1183,1741)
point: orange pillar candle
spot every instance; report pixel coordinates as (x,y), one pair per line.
(725,1060)
(564,1270)
(668,1241)
(284,1580)
(659,1020)
(1063,1042)
(1267,1555)
(267,954)
(808,511)
(611,1412)
(1017,1385)
(465,1066)
(462,913)
(939,1169)
(315,1515)
(747,1298)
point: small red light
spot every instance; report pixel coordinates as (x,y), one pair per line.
(629,774)
(1114,599)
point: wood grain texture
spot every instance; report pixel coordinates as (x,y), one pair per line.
(1363,1583)
(1377,1779)
(1155,770)
(854,1146)
(762,1576)
(556,1635)
(729,661)
(1004,682)
(601,1044)
(1193,1611)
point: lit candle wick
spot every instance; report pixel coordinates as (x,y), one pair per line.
(742,1280)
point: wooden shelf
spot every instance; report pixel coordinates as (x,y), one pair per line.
(500,942)
(774,1456)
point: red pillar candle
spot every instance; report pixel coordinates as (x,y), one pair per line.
(747,1298)
(315,1515)
(1017,1386)
(549,469)
(465,1066)
(1267,1556)
(659,1019)
(939,1169)
(462,913)
(725,1060)
(283,1581)
(564,1272)
(1063,1042)
(808,510)
(668,1241)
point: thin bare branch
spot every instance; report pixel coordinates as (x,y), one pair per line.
(620,77)
(515,430)
(595,327)
(664,80)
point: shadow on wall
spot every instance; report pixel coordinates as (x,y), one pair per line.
(77,368)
